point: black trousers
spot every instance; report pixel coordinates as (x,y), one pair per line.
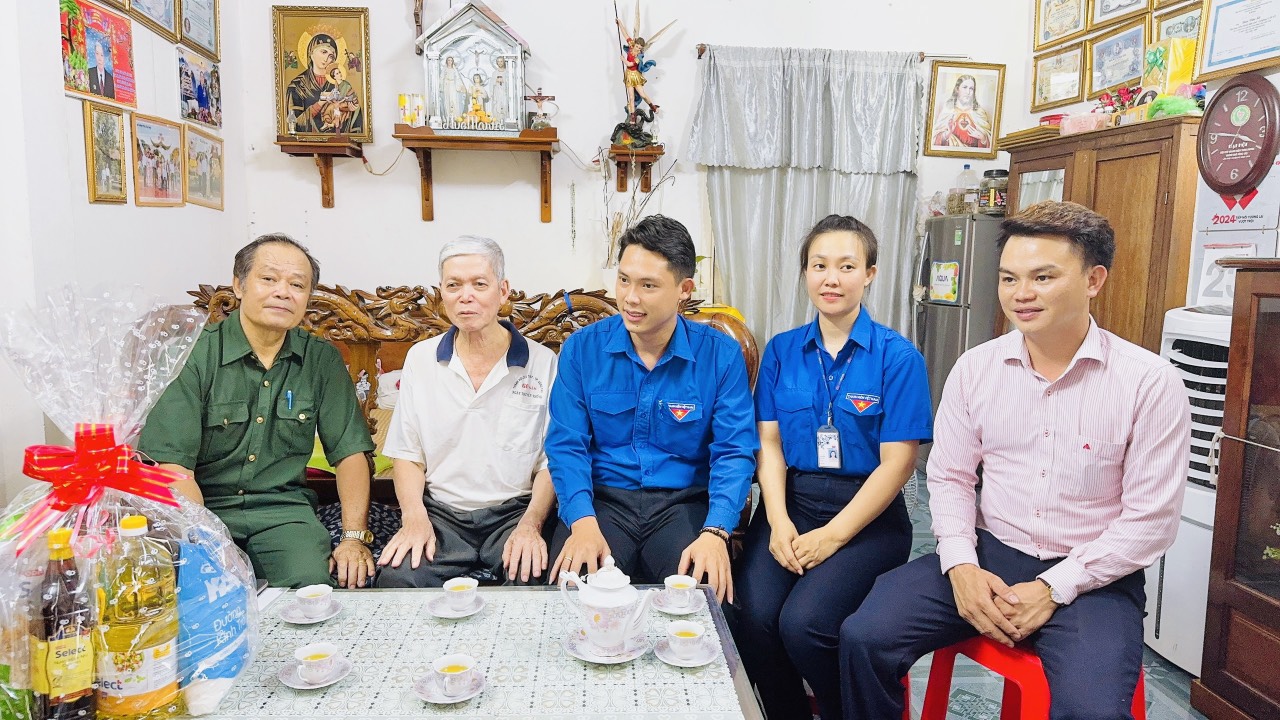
(646,529)
(789,625)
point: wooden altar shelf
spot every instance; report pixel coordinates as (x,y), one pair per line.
(422,140)
(324,151)
(625,156)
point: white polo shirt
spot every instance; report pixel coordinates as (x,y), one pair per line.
(480,447)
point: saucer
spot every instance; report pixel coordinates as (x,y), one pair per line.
(663,605)
(429,688)
(439,607)
(576,645)
(709,652)
(292,613)
(289,675)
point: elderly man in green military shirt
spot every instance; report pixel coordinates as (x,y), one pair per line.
(241,420)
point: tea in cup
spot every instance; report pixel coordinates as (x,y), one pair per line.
(456,672)
(317,661)
(685,638)
(680,590)
(461,592)
(314,600)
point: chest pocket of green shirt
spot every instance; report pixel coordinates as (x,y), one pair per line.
(224,428)
(296,424)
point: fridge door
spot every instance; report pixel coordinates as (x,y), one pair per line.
(949,240)
(981,280)
(942,332)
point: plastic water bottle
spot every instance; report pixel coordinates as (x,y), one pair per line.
(968,179)
(138,634)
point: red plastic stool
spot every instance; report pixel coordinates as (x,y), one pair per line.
(1026,691)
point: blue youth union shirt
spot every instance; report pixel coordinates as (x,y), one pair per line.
(884,396)
(688,422)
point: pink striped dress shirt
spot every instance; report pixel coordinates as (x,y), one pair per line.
(1089,468)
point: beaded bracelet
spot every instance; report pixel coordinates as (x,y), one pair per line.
(718,532)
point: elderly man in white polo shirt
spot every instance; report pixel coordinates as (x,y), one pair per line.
(466,437)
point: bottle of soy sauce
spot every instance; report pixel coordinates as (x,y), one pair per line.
(62,638)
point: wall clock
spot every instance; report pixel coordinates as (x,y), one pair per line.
(1239,134)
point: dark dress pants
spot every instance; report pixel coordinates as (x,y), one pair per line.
(789,625)
(1091,649)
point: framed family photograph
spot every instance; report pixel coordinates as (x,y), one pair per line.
(1182,22)
(97,53)
(1114,58)
(201,28)
(322,72)
(1108,12)
(1237,37)
(202,182)
(964,109)
(1057,78)
(157,162)
(199,89)
(1058,21)
(159,15)
(104,152)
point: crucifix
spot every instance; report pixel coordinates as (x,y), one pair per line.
(538,98)
(477,52)
(540,119)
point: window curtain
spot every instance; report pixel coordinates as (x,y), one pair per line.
(790,136)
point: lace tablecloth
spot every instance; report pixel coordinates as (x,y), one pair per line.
(392,639)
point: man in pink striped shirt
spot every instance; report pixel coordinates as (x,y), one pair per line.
(1081,442)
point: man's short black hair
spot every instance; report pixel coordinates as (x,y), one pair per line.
(1089,232)
(666,237)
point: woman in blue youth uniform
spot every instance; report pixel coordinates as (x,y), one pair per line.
(842,405)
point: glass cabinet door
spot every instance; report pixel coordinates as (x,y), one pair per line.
(1257,560)
(1039,185)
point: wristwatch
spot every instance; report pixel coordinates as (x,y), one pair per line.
(1053,594)
(363,536)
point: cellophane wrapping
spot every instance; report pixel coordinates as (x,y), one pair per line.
(105,360)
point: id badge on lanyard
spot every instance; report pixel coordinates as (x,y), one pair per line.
(828,435)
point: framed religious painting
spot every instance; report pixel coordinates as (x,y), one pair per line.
(964,109)
(202,182)
(1114,58)
(199,89)
(1178,22)
(1057,78)
(201,28)
(97,53)
(1109,12)
(1237,37)
(159,15)
(157,162)
(121,4)
(104,152)
(1058,21)
(322,72)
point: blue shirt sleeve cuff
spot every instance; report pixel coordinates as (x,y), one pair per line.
(577,508)
(722,518)
(922,433)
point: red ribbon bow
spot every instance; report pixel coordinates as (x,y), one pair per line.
(80,476)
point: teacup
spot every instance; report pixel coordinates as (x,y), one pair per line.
(317,661)
(456,671)
(680,590)
(461,592)
(314,600)
(685,638)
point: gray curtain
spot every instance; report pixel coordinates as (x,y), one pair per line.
(790,136)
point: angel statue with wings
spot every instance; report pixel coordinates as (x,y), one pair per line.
(634,66)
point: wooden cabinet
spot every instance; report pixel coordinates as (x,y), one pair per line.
(1143,179)
(1242,627)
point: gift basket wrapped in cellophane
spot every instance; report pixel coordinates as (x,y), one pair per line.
(119,598)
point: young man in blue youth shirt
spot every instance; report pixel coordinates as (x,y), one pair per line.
(652,439)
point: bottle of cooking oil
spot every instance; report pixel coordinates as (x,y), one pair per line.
(62,638)
(137,638)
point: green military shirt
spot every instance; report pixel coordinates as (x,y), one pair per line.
(248,432)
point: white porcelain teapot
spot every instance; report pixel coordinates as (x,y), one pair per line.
(612,611)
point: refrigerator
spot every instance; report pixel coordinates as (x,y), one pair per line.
(954,296)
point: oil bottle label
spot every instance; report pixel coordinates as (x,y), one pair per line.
(137,681)
(62,667)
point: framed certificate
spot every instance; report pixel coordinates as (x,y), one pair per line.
(1058,21)
(159,15)
(1180,22)
(1114,58)
(1056,78)
(1237,36)
(200,29)
(1108,12)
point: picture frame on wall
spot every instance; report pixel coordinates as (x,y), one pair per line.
(964,109)
(199,89)
(1179,22)
(1237,37)
(321,57)
(201,28)
(104,153)
(1103,13)
(120,4)
(157,162)
(1058,21)
(202,183)
(97,53)
(1114,59)
(1057,78)
(1160,4)
(158,15)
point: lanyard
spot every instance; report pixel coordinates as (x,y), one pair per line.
(831,396)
